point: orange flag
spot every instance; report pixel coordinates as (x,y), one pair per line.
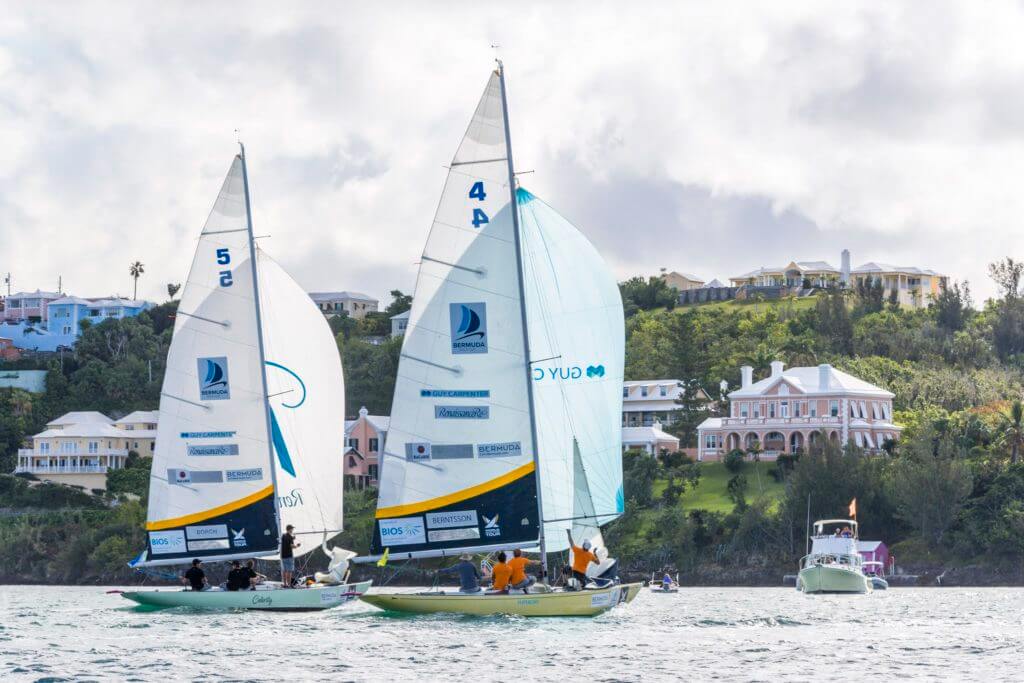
(853,508)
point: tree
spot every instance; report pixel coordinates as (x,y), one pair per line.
(136,270)
(172,289)
(639,470)
(1011,431)
(833,322)
(400,303)
(638,294)
(952,306)
(1007,275)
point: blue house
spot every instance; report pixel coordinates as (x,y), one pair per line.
(64,315)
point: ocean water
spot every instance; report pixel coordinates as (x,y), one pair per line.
(744,634)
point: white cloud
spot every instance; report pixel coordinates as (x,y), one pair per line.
(703,137)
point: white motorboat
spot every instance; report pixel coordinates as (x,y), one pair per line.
(875,571)
(833,565)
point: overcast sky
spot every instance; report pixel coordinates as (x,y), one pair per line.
(710,138)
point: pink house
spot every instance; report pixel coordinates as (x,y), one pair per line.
(28,306)
(875,551)
(787,411)
(364,443)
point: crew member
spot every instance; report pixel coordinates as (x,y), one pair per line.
(518,564)
(469,575)
(238,578)
(288,545)
(195,576)
(500,575)
(581,559)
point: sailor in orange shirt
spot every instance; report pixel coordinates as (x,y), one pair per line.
(518,563)
(581,559)
(500,575)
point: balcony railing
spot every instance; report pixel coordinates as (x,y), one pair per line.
(65,469)
(32,453)
(780,421)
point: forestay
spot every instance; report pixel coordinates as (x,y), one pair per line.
(458,468)
(306,391)
(577,340)
(211,493)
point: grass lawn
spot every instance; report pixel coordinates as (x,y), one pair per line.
(711,493)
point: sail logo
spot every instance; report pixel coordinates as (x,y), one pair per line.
(238,538)
(213,379)
(167,542)
(491,527)
(402,531)
(462,412)
(468,323)
(568,372)
(291,500)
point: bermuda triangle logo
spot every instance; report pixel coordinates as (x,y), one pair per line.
(213,378)
(468,323)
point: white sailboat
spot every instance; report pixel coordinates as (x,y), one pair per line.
(505,422)
(250,421)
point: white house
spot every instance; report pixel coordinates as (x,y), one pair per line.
(356,304)
(399,323)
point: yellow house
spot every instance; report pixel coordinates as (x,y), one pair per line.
(79,448)
(915,287)
(682,281)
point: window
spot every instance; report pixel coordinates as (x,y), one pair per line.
(663,391)
(887,411)
(373,471)
(374,445)
(757,410)
(353,443)
(67,447)
(94,312)
(94,447)
(710,441)
(771,409)
(796,409)
(625,392)
(744,409)
(833,408)
(859,438)
(853,409)
(351,461)
(643,392)
(784,409)
(152,446)
(874,410)
(814,409)
(44,448)
(864,410)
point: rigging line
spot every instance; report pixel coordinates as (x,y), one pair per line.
(593,516)
(456,370)
(221,232)
(223,323)
(541,360)
(286,391)
(185,400)
(415,462)
(479,161)
(478,271)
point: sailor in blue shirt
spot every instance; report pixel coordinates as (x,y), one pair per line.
(469,575)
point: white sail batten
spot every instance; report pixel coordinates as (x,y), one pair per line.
(306,391)
(577,338)
(458,469)
(211,493)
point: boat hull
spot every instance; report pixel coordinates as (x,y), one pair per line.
(585,603)
(878,583)
(292,599)
(825,579)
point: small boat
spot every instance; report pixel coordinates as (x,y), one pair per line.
(833,565)
(251,415)
(875,572)
(504,428)
(658,585)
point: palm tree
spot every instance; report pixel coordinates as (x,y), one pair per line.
(1011,430)
(135,270)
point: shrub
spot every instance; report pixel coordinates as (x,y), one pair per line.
(734,460)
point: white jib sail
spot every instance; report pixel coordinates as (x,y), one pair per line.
(458,464)
(306,390)
(577,339)
(211,493)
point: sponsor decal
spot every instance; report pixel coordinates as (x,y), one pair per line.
(468,323)
(195,476)
(462,412)
(206,531)
(567,372)
(527,602)
(330,595)
(447,520)
(218,449)
(207,435)
(444,535)
(456,451)
(213,379)
(491,527)
(262,600)
(508,449)
(212,544)
(455,393)
(417,451)
(402,531)
(167,542)
(291,500)
(238,538)
(601,599)
(252,474)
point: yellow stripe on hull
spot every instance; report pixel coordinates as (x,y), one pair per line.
(585,603)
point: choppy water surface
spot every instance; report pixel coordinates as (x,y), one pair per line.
(57,633)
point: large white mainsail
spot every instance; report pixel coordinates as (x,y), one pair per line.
(458,467)
(577,341)
(306,390)
(211,492)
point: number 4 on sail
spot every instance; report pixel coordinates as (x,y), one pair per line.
(505,426)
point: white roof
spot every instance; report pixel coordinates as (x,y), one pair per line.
(38,294)
(802,266)
(713,283)
(87,429)
(688,276)
(711,423)
(805,380)
(321,297)
(101,302)
(140,417)
(80,417)
(868,546)
(402,316)
(645,435)
(380,422)
(877,267)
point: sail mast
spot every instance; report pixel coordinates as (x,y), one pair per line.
(522,308)
(259,338)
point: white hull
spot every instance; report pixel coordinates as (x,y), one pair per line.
(832,579)
(315,597)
